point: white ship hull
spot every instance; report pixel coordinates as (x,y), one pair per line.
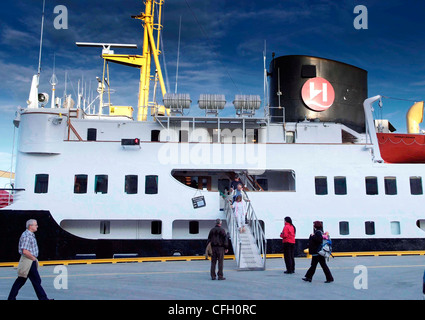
(291,171)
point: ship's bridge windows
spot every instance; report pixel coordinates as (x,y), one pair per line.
(101,183)
(321,185)
(41,183)
(130,185)
(371,185)
(80,183)
(390,185)
(151,184)
(416,186)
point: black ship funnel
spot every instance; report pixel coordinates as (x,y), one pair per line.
(317,89)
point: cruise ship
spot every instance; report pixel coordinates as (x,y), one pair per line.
(151,180)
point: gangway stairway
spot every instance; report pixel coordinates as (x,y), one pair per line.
(250,246)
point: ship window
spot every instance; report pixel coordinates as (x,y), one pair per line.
(416,185)
(156,227)
(80,183)
(105,227)
(130,186)
(91,134)
(321,184)
(151,185)
(41,183)
(193,227)
(101,184)
(344,228)
(371,185)
(370,227)
(395,227)
(340,184)
(421,224)
(155,135)
(390,185)
(308,71)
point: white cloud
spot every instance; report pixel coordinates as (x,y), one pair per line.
(17,38)
(418,83)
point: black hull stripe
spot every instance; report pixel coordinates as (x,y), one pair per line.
(58,244)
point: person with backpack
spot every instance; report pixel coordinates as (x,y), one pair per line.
(314,245)
(288,239)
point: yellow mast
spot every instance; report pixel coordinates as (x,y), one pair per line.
(143,62)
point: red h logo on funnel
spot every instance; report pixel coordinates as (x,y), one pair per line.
(318,94)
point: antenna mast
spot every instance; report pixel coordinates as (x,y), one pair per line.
(33,97)
(41,40)
(178,55)
(53,82)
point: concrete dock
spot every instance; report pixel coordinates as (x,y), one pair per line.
(356,278)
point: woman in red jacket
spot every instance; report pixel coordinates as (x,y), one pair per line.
(288,236)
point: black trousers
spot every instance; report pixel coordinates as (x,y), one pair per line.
(288,255)
(35,279)
(314,261)
(217,256)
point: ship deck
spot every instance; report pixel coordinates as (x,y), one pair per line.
(388,278)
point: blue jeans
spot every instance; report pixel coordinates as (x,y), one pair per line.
(36,283)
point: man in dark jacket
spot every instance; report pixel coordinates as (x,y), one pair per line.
(219,243)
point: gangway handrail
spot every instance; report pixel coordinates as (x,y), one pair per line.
(232,226)
(255,227)
(257,232)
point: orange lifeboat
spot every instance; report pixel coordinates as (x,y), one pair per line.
(402,148)
(405,148)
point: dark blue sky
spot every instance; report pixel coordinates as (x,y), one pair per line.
(231,42)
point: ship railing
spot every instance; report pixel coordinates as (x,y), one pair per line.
(254,226)
(257,232)
(232,227)
(9,196)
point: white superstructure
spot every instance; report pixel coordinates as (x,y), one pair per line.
(319,176)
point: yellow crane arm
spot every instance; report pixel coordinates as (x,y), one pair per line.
(155,57)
